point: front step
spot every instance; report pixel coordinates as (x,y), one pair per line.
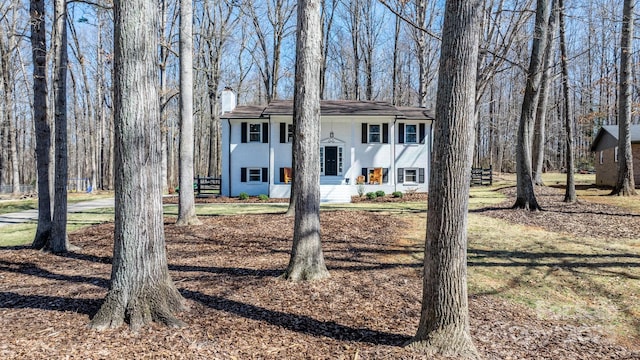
(335,194)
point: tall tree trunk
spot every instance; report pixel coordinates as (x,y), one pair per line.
(625,185)
(539,135)
(444,320)
(526,197)
(186,204)
(59,242)
(141,289)
(42,126)
(570,190)
(307,260)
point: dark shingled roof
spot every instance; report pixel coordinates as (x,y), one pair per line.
(607,137)
(332,108)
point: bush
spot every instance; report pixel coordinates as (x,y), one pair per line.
(263,197)
(371,195)
(397,194)
(380,193)
(243,196)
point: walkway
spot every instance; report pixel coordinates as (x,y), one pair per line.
(32,215)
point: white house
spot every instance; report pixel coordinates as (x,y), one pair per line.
(365,146)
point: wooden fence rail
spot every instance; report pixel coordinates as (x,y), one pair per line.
(480,176)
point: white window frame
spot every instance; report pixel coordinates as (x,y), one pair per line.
(379,133)
(251,132)
(251,175)
(415,175)
(414,133)
(601,157)
(289,133)
(615,154)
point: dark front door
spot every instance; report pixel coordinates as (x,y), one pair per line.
(331,160)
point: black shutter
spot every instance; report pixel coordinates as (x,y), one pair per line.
(283,133)
(243,126)
(385,175)
(385,133)
(365,135)
(400,175)
(365,172)
(421,175)
(243,174)
(265,132)
(401,133)
(281,175)
(422,130)
(265,175)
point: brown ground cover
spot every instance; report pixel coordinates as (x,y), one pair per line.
(227,271)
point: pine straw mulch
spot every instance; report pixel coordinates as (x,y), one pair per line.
(227,270)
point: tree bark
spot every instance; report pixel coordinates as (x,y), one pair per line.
(59,242)
(141,289)
(625,185)
(526,197)
(539,136)
(42,127)
(307,260)
(186,202)
(444,320)
(570,190)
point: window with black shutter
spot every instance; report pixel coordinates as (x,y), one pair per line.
(265,175)
(243,174)
(243,127)
(283,133)
(401,133)
(421,175)
(422,133)
(400,175)
(385,133)
(365,133)
(265,132)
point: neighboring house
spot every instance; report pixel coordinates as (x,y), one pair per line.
(365,146)
(605,146)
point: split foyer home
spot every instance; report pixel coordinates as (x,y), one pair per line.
(365,146)
(605,145)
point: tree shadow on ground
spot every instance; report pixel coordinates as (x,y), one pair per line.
(11,300)
(298,323)
(27,268)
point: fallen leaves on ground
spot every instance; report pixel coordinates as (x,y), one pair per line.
(227,269)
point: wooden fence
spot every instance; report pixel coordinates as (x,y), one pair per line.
(480,176)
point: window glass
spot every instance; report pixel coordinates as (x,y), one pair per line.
(255,175)
(410,175)
(255,132)
(290,133)
(374,133)
(411,133)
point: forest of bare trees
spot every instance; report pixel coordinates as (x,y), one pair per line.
(371,50)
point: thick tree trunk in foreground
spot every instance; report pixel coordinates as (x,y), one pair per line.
(42,127)
(625,185)
(307,260)
(444,320)
(526,197)
(186,204)
(570,191)
(141,289)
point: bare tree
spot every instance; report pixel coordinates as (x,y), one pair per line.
(186,203)
(625,185)
(42,126)
(539,135)
(307,260)
(59,241)
(141,288)
(526,197)
(444,320)
(570,190)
